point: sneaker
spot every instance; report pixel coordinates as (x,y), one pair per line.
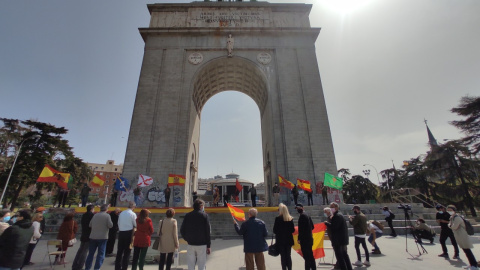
(376,252)
(445,255)
(456,257)
(358,263)
(366,263)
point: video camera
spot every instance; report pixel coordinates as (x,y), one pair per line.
(405,207)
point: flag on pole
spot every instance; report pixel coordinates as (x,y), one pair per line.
(318,234)
(176,180)
(121,184)
(238,188)
(333,181)
(237,213)
(144,181)
(50,175)
(284,182)
(304,184)
(98,180)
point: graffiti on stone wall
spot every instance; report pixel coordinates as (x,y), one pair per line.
(156,195)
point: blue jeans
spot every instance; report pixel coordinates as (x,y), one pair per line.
(101,244)
(370,239)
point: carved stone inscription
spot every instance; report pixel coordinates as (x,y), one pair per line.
(211,17)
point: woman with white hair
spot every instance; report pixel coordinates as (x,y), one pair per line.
(283,228)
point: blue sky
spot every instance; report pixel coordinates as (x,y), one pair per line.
(385,66)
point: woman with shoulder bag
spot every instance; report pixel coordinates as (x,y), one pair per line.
(142,239)
(463,240)
(283,228)
(67,232)
(168,239)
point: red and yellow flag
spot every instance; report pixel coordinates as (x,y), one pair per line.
(237,213)
(98,180)
(318,236)
(176,180)
(284,182)
(304,184)
(50,175)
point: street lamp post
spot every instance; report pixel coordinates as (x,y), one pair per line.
(367,172)
(378,178)
(13,165)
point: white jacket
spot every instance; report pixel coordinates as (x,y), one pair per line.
(36,232)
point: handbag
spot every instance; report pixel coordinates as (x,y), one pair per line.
(156,244)
(272,249)
(72,241)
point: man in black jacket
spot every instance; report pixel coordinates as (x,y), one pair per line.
(305,237)
(112,233)
(14,241)
(82,252)
(339,237)
(195,230)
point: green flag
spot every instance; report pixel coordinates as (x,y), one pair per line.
(333,181)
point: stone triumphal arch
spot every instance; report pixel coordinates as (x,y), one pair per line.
(194,51)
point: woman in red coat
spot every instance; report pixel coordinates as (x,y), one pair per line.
(142,239)
(67,232)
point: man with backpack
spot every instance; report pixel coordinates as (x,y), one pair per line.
(389,216)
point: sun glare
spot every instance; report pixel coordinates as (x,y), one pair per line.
(344,6)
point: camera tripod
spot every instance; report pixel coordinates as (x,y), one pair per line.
(418,242)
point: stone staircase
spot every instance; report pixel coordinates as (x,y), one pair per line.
(222,224)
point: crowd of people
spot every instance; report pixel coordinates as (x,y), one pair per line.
(19,235)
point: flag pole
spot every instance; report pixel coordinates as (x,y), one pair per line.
(106,194)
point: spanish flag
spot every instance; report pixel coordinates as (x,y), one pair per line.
(98,180)
(176,180)
(284,182)
(237,213)
(50,175)
(318,236)
(304,184)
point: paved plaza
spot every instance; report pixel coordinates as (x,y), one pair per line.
(228,255)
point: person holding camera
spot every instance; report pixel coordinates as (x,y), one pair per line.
(422,230)
(389,216)
(359,223)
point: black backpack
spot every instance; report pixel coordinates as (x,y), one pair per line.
(468,227)
(392,215)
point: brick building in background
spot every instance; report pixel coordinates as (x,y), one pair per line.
(109,171)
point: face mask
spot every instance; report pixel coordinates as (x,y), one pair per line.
(451,213)
(14,219)
(325,214)
(334,210)
(300,211)
(440,212)
(6,219)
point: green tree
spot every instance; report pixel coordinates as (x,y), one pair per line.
(359,190)
(469,108)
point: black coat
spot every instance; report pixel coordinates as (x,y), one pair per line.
(195,228)
(283,231)
(305,227)
(338,230)
(86,218)
(14,242)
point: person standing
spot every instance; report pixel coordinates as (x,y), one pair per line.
(339,237)
(283,228)
(225,199)
(84,194)
(66,232)
(443,218)
(168,235)
(100,224)
(463,240)
(310,197)
(295,194)
(195,230)
(167,193)
(37,233)
(14,242)
(254,232)
(253,195)
(305,237)
(41,210)
(113,197)
(324,195)
(389,216)
(82,252)
(276,194)
(112,232)
(126,223)
(142,239)
(359,223)
(62,196)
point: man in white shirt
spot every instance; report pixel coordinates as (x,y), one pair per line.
(126,224)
